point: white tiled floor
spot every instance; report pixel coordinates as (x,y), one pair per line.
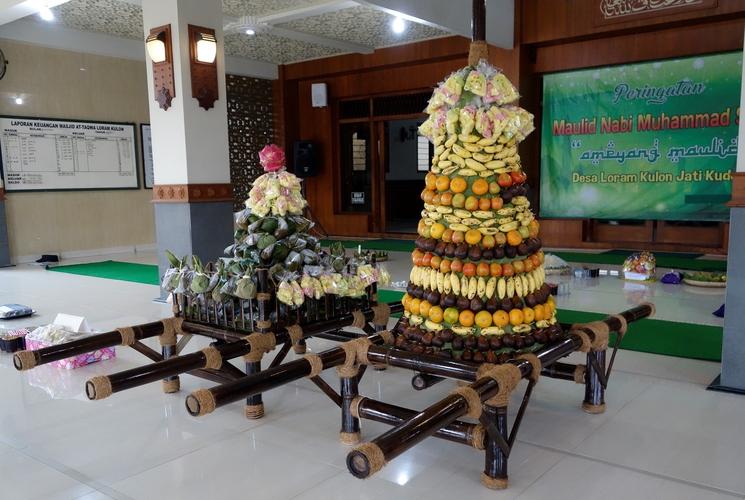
(663,436)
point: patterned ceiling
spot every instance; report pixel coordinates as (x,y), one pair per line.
(361,25)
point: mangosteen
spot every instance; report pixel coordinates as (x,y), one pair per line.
(430,244)
(462,303)
(507,196)
(529,340)
(506,305)
(499,252)
(519,342)
(419,293)
(487,253)
(508,340)
(440,248)
(446,335)
(419,242)
(541,336)
(449,300)
(510,251)
(417,349)
(437,342)
(450,250)
(492,305)
(461,250)
(467,355)
(470,342)
(495,342)
(427,338)
(474,253)
(400,341)
(530,300)
(478,357)
(476,304)
(504,357)
(410,288)
(458,343)
(517,302)
(433,297)
(483,343)
(491,357)
(522,249)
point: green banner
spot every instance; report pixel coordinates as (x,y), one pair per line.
(645,141)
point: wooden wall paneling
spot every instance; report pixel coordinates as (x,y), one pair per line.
(547,21)
(703,236)
(662,44)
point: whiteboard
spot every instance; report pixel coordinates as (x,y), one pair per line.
(146,140)
(45,154)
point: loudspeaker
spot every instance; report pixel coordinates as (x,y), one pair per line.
(305,162)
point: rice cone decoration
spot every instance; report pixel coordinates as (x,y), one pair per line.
(477,288)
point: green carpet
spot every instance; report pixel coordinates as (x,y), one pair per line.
(679,261)
(683,340)
(663,260)
(114,270)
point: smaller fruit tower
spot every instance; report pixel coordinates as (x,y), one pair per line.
(477,290)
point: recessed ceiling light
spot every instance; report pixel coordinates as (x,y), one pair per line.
(398,25)
(19,100)
(250,31)
(46,14)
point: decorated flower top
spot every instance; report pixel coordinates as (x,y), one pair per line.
(272,158)
(476,98)
(277,191)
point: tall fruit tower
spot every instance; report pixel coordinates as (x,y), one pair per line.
(477,288)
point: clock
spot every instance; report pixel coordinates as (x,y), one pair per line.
(3,65)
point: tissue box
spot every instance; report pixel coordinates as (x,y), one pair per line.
(76,361)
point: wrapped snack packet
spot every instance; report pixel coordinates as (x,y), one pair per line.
(285,293)
(452,88)
(467,119)
(476,83)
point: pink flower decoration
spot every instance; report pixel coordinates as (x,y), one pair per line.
(272,158)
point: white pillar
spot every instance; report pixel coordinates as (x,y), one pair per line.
(192,192)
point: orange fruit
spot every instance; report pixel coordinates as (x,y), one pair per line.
(533,227)
(501,319)
(427,196)
(456,266)
(541,256)
(435,314)
(535,260)
(483,319)
(458,237)
(473,236)
(405,301)
(430,180)
(528,265)
(447,236)
(436,199)
(494,187)
(424,308)
(504,180)
(516,317)
(446,199)
(500,238)
(442,183)
(528,315)
(469,269)
(495,269)
(484,203)
(480,186)
(426,259)
(450,315)
(435,262)
(416,257)
(514,238)
(482,269)
(488,241)
(465,318)
(508,270)
(414,306)
(539,314)
(436,230)
(458,185)
(445,266)
(472,203)
(519,266)
(496,203)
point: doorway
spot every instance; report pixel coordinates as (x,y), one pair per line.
(406,162)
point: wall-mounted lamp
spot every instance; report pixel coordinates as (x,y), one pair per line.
(158,44)
(203,50)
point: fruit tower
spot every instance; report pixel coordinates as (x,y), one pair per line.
(476,290)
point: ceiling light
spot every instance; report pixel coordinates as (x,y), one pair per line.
(250,31)
(398,25)
(46,14)
(19,100)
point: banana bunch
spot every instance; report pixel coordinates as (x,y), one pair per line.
(484,288)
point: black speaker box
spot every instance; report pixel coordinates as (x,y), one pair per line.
(305,160)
